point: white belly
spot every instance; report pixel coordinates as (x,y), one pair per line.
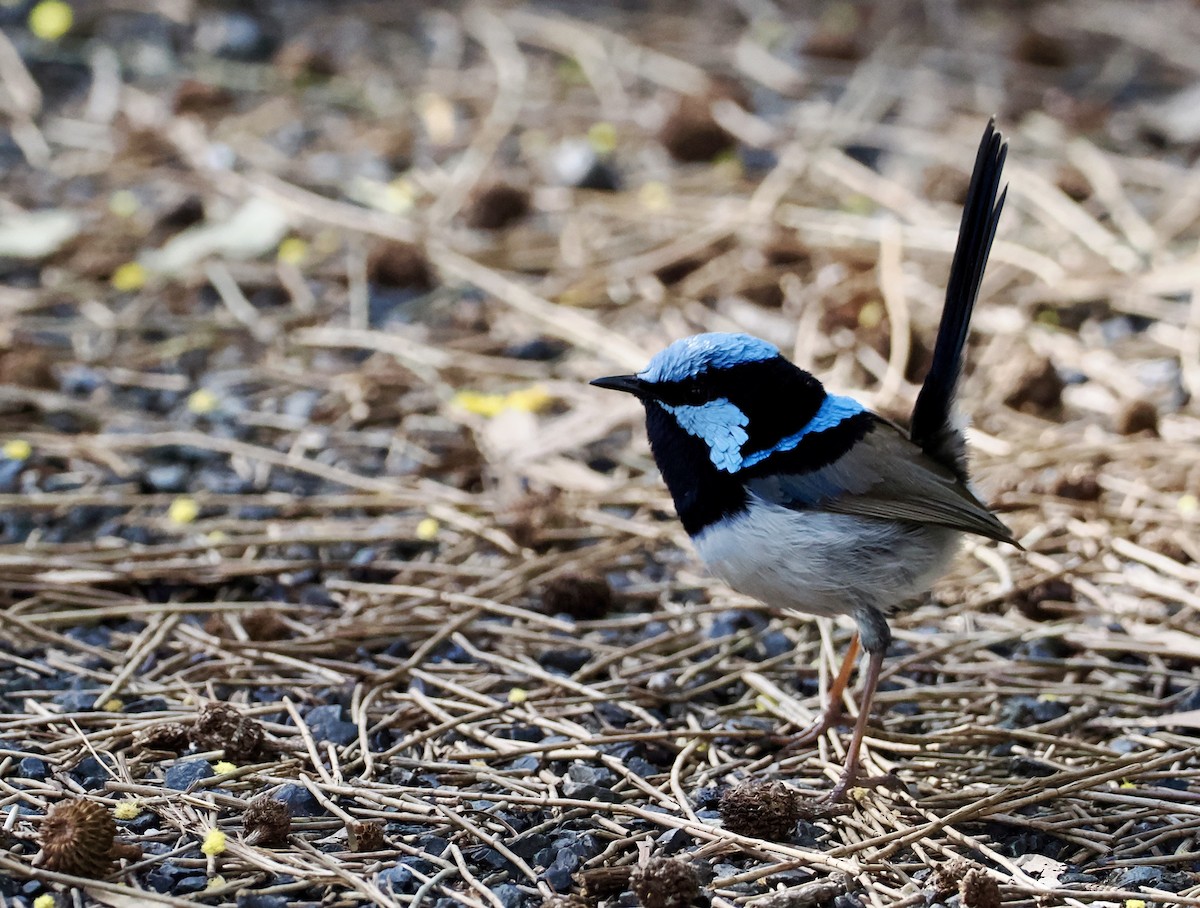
(825,564)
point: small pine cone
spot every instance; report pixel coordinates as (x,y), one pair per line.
(221,727)
(978,890)
(170,736)
(267,822)
(664,883)
(366,836)
(763,810)
(583,597)
(77,837)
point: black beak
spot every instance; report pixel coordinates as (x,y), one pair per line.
(631,384)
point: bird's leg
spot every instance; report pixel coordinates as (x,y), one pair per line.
(833,706)
(852,768)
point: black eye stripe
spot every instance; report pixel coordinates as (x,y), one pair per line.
(777,397)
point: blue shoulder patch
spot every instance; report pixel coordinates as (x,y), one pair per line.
(720,425)
(690,356)
(834,409)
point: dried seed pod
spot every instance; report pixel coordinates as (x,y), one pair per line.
(978,890)
(497,206)
(77,837)
(582,597)
(170,736)
(764,810)
(221,727)
(366,836)
(1136,417)
(267,821)
(664,883)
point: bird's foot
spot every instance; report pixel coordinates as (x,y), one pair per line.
(853,778)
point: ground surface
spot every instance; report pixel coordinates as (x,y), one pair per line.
(260,450)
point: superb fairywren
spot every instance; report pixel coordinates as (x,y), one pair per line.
(807,500)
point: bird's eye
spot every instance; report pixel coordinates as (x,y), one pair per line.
(694,396)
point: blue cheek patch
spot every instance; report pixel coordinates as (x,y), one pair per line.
(720,425)
(833,411)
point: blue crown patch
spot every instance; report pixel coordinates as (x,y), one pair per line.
(690,356)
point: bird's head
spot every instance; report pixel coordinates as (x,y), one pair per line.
(734,393)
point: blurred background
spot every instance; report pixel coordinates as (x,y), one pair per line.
(298,303)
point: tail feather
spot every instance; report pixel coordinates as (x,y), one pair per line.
(933,426)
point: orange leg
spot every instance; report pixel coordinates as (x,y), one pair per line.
(852,768)
(833,706)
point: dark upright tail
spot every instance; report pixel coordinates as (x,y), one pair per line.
(932,421)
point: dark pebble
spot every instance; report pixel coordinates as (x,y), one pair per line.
(614,715)
(641,767)
(90,773)
(76,701)
(183,775)
(10,475)
(170,877)
(32,768)
(327,723)
(559,875)
(166,478)
(234,36)
(847,900)
(486,856)
(1030,768)
(528,733)
(9,886)
(709,797)
(94,635)
(527,763)
(589,783)
(402,879)
(774,643)
(509,895)
(147,705)
(1139,876)
(434,845)
(528,847)
(674,841)
(142,824)
(729,623)
(567,661)
(540,349)
(300,801)
(256,900)
(1021,712)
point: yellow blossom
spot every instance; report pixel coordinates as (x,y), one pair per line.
(224,767)
(871,314)
(17,449)
(214,843)
(292,251)
(202,402)
(654,196)
(530,400)
(183,510)
(123,203)
(128,277)
(113,705)
(51,19)
(518,695)
(427,529)
(128,810)
(602,137)
(46,900)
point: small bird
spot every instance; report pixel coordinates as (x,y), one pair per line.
(809,501)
